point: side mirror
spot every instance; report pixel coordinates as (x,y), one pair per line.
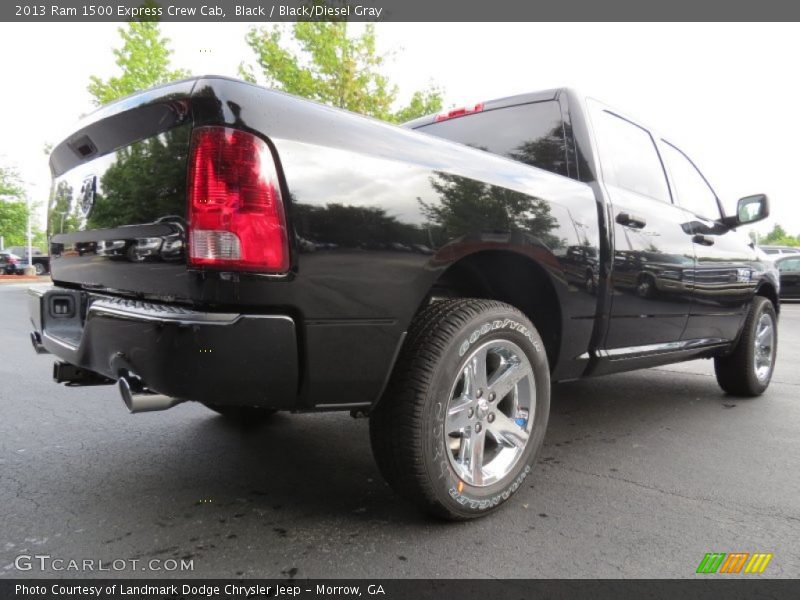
(750,209)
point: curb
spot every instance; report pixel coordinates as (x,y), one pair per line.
(21,278)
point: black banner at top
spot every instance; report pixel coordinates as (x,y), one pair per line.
(397,10)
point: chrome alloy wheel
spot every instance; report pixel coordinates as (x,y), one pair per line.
(764,353)
(490,412)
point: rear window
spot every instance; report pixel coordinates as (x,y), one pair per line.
(529,133)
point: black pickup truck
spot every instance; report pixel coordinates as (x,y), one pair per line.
(256,252)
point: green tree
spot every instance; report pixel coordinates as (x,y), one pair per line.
(63,216)
(13,209)
(10,185)
(779,237)
(144,60)
(324,63)
(146,182)
(13,222)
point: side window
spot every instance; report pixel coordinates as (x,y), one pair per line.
(629,157)
(530,133)
(791,264)
(692,190)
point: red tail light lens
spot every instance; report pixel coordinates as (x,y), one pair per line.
(236,218)
(459,112)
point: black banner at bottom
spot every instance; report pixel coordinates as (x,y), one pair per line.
(394,589)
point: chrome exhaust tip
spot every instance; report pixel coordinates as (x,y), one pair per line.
(36,340)
(138,401)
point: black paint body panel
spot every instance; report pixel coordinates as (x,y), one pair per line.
(242,360)
(364,202)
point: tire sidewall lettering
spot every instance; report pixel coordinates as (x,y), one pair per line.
(496,499)
(467,497)
(438,449)
(495,325)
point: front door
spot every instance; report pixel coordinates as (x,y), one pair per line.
(724,278)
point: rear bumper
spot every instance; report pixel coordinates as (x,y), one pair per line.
(222,358)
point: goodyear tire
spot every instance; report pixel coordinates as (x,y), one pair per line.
(466,409)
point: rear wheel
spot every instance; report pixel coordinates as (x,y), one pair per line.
(748,369)
(466,410)
(243,414)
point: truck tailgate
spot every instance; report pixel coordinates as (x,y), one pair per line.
(117,210)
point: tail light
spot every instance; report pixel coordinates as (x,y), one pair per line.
(459,112)
(236,217)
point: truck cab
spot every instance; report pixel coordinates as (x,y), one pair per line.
(674,277)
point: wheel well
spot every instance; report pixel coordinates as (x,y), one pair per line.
(768,291)
(509,278)
(645,275)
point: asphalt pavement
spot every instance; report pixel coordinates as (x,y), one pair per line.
(641,474)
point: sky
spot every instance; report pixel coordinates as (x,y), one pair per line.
(726,94)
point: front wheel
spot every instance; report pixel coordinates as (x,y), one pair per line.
(646,286)
(748,369)
(466,409)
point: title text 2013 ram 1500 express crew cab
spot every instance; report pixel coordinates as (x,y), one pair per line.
(254,252)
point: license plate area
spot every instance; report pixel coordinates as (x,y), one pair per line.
(63,313)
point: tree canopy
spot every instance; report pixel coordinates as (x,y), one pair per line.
(13,209)
(10,185)
(779,237)
(13,222)
(323,62)
(143,59)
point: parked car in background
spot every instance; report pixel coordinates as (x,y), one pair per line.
(41,261)
(11,264)
(773,250)
(789,269)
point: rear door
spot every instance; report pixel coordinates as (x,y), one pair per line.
(723,281)
(653,251)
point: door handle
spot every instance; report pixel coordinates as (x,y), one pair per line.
(703,240)
(631,220)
